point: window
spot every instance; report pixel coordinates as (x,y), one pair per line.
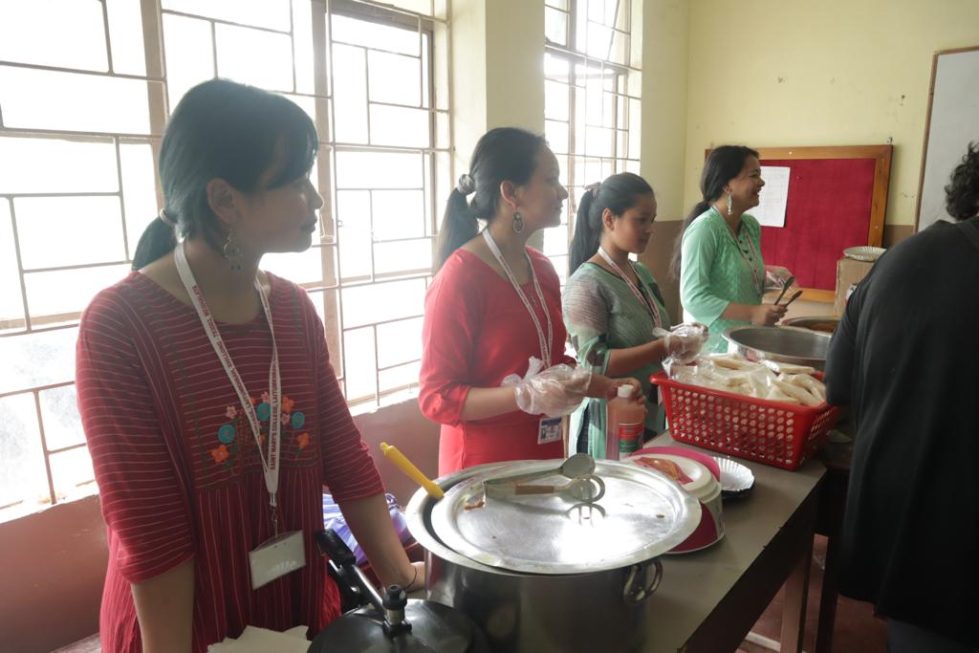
(85,90)
(591,99)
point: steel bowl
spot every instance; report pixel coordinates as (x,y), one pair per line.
(784,344)
(812,322)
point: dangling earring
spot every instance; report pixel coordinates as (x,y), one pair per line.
(232,251)
(729,204)
(517,222)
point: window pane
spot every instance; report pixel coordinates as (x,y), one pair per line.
(51,165)
(398,214)
(350,93)
(72,474)
(11,302)
(190,55)
(399,377)
(374,35)
(59,412)
(619,52)
(353,219)
(403,256)
(556,100)
(556,240)
(138,190)
(64,33)
(42,358)
(303,56)
(61,231)
(379,170)
(360,363)
(23,477)
(255,57)
(555,68)
(46,294)
(394,78)
(557,136)
(560,264)
(556,26)
(36,99)
(382,302)
(304,267)
(273,14)
(399,342)
(399,126)
(126,33)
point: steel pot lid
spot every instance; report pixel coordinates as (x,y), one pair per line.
(642,515)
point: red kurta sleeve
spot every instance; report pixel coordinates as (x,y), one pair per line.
(448,336)
(348,468)
(143,499)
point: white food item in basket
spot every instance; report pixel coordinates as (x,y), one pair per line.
(732,362)
(799,393)
(816,387)
(788,368)
(775,394)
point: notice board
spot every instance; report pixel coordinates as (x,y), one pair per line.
(837,198)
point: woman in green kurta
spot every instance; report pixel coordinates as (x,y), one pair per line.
(612,305)
(718,253)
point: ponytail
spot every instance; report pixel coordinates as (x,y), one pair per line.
(158,240)
(459,226)
(587,236)
(618,194)
(723,164)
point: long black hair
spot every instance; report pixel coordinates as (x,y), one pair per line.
(962,192)
(618,193)
(723,165)
(502,154)
(222,129)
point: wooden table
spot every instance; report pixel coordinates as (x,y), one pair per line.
(709,600)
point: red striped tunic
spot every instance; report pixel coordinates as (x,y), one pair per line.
(177,466)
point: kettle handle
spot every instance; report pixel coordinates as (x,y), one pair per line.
(634,592)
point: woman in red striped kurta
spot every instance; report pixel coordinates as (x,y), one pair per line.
(178,467)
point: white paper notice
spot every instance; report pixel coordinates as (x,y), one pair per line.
(770,211)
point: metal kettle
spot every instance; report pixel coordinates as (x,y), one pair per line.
(392,622)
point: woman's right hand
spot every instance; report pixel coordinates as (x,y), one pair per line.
(767,314)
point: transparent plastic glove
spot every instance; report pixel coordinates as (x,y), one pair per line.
(685,341)
(556,391)
(775,277)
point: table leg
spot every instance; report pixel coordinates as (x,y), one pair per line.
(794,608)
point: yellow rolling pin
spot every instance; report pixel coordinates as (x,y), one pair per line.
(412,472)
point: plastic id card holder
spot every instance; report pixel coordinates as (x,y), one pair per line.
(277,557)
(550,430)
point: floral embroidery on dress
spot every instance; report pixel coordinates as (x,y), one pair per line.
(230,446)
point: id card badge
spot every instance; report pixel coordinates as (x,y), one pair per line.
(550,430)
(277,557)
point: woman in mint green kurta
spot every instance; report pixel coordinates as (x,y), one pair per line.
(612,305)
(718,257)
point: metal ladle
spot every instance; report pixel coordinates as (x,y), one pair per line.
(580,464)
(588,488)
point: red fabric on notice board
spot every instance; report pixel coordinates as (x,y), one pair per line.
(828,210)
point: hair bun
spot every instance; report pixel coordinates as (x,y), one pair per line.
(466,184)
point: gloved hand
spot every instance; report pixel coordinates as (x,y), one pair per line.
(775,277)
(556,391)
(685,341)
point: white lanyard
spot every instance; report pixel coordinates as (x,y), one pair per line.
(270,463)
(650,306)
(752,266)
(545,344)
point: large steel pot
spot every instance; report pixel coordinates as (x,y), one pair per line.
(598,608)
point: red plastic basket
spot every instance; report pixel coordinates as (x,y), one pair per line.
(770,432)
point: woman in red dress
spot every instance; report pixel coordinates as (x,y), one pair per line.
(205,390)
(496,303)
